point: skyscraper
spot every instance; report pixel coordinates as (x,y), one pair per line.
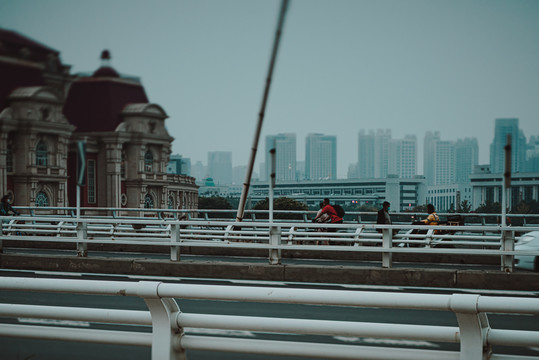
(220,166)
(429,155)
(365,155)
(502,128)
(444,163)
(438,160)
(320,157)
(466,158)
(403,157)
(381,153)
(285,156)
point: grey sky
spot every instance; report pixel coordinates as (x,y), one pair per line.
(406,65)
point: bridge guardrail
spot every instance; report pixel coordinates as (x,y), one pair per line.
(274,237)
(358,217)
(169,340)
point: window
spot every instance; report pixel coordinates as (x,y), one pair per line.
(42,200)
(42,154)
(148,161)
(9,157)
(122,166)
(148,202)
(91,181)
(171,202)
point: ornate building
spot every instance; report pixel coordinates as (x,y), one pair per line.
(45,111)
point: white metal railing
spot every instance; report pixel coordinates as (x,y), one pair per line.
(168,340)
(360,217)
(368,238)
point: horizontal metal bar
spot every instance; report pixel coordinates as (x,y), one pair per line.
(113,316)
(319,327)
(513,337)
(311,350)
(79,335)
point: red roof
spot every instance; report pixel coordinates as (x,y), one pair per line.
(12,43)
(16,75)
(95,104)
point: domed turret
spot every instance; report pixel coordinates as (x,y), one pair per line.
(95,103)
(106,70)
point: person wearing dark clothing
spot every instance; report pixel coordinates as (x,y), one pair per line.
(383,214)
(383,217)
(5,206)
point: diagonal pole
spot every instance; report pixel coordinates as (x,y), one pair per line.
(247,183)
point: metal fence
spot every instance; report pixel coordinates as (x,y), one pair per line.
(488,240)
(359,217)
(169,341)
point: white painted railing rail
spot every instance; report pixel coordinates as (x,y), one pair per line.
(370,238)
(169,337)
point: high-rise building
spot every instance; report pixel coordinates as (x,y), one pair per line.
(438,160)
(220,167)
(285,156)
(467,157)
(532,155)
(365,155)
(320,157)
(503,128)
(381,153)
(403,157)
(179,165)
(429,156)
(444,165)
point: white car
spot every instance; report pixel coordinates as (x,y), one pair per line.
(528,241)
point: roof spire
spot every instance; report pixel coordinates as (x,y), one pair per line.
(105,58)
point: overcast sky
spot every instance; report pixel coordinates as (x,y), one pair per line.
(343,65)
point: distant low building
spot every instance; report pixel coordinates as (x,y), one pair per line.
(403,194)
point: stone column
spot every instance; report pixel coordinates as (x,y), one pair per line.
(3,163)
(113,171)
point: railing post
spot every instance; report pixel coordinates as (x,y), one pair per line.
(473,327)
(507,244)
(175,239)
(166,332)
(82,236)
(275,240)
(387,243)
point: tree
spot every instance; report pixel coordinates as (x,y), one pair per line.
(214,202)
(490,208)
(464,207)
(282,203)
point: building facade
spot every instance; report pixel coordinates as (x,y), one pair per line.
(45,111)
(487,188)
(403,194)
(504,127)
(220,166)
(466,159)
(285,156)
(403,157)
(320,157)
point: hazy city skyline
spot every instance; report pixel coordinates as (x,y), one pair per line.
(409,66)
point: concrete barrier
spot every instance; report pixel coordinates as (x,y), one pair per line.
(245,270)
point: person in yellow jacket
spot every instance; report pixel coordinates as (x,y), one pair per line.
(433,218)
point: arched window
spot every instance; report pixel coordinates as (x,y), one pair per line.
(122,166)
(42,154)
(42,200)
(9,157)
(171,202)
(148,202)
(148,161)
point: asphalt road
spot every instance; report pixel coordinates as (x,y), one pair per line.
(18,348)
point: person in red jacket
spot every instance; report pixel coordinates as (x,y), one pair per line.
(328,209)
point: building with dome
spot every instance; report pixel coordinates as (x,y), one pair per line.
(45,111)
